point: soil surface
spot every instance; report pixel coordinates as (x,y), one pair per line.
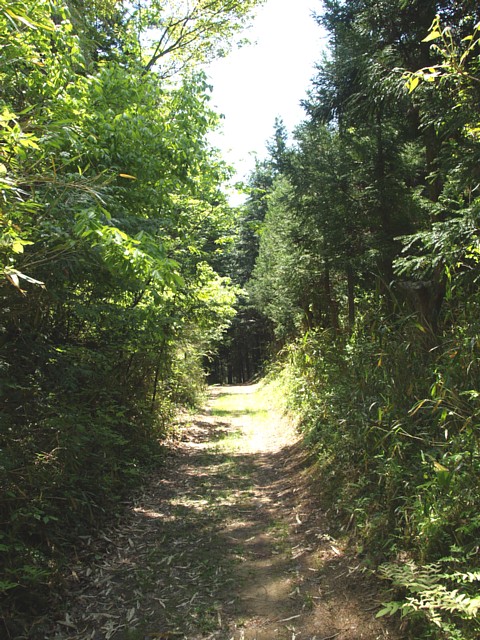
(227,542)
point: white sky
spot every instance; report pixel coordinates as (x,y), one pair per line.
(265,79)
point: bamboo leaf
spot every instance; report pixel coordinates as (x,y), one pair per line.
(413,83)
(434,35)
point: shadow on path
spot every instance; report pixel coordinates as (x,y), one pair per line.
(220,546)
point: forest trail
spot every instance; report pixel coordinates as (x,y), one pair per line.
(225,543)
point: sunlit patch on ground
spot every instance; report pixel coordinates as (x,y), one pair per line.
(223,544)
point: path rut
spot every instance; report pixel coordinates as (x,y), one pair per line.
(227,542)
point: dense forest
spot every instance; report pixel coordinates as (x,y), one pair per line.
(113,225)
(350,273)
(359,252)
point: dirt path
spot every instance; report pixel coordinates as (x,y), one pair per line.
(226,543)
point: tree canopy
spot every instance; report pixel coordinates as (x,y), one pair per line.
(352,268)
(113,223)
(366,270)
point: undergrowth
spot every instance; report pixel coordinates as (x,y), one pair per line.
(448,599)
(391,413)
(68,460)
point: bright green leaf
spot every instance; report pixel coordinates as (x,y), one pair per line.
(434,35)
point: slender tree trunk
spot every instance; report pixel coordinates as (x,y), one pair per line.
(384,205)
(129,366)
(155,385)
(157,374)
(247,364)
(432,149)
(332,305)
(350,296)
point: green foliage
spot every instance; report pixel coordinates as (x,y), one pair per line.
(392,427)
(277,279)
(448,599)
(179,32)
(458,66)
(241,354)
(112,227)
(368,270)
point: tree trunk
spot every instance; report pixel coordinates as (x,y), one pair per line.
(350,296)
(157,374)
(332,305)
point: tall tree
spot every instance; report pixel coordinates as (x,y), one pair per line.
(111,224)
